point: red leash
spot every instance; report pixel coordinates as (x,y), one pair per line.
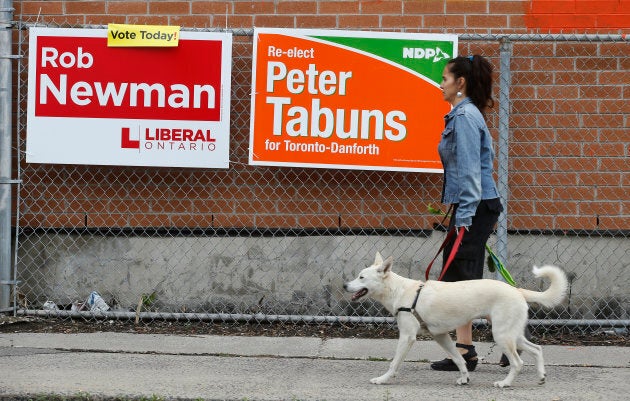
(451,256)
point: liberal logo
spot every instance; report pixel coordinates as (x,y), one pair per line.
(127,142)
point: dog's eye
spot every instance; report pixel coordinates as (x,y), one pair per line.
(360,277)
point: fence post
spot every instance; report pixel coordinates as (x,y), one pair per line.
(6,17)
(505,79)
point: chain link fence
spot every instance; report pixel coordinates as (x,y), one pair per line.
(260,244)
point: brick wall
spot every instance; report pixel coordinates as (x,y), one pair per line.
(569,144)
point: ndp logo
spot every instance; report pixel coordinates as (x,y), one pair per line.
(425,53)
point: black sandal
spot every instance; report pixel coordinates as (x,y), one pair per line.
(447,364)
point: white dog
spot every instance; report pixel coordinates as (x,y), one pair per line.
(439,307)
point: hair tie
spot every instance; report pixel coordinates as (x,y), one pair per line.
(470,58)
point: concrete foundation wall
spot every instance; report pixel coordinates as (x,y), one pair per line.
(290,275)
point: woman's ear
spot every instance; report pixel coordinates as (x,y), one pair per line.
(461,83)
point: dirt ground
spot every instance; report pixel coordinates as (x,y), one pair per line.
(31,324)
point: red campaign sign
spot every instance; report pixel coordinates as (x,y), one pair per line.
(82,77)
(130,106)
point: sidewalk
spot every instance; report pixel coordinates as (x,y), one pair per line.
(111,365)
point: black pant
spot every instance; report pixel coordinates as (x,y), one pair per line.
(470,257)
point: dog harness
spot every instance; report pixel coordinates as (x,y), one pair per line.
(412,310)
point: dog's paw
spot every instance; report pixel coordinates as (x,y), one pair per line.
(542,380)
(380,380)
(463,381)
(501,384)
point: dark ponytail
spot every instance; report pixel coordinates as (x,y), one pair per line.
(477,71)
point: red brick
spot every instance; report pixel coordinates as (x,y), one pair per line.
(615,106)
(212,7)
(225,220)
(599,179)
(576,163)
(508,7)
(276,220)
(382,7)
(552,6)
(523,178)
(407,222)
(532,106)
(531,192)
(169,7)
(127,7)
(55,220)
(84,7)
(559,92)
(147,20)
(573,78)
(573,193)
(575,134)
(579,49)
(149,220)
(521,207)
(192,21)
(534,50)
(338,7)
(402,21)
(575,223)
(66,20)
(105,19)
(555,120)
(518,164)
(316,21)
(192,221)
(604,149)
(603,120)
(529,222)
(26,8)
(318,221)
(600,208)
(276,21)
(556,208)
(466,6)
(517,22)
(359,21)
(382,207)
(556,178)
(596,6)
(441,21)
(486,21)
(613,164)
(360,221)
(612,21)
(254,7)
(532,78)
(97,220)
(411,7)
(613,135)
(296,7)
(614,223)
(618,49)
(576,106)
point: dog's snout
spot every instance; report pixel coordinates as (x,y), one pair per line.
(345,286)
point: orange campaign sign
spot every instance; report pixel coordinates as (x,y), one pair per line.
(348,99)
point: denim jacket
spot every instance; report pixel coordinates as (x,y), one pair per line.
(467,156)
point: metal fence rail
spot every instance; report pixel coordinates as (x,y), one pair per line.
(275,244)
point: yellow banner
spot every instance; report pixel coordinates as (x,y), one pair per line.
(123,35)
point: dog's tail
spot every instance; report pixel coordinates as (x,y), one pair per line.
(556,291)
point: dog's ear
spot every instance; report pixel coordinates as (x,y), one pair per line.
(386,266)
(378,260)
